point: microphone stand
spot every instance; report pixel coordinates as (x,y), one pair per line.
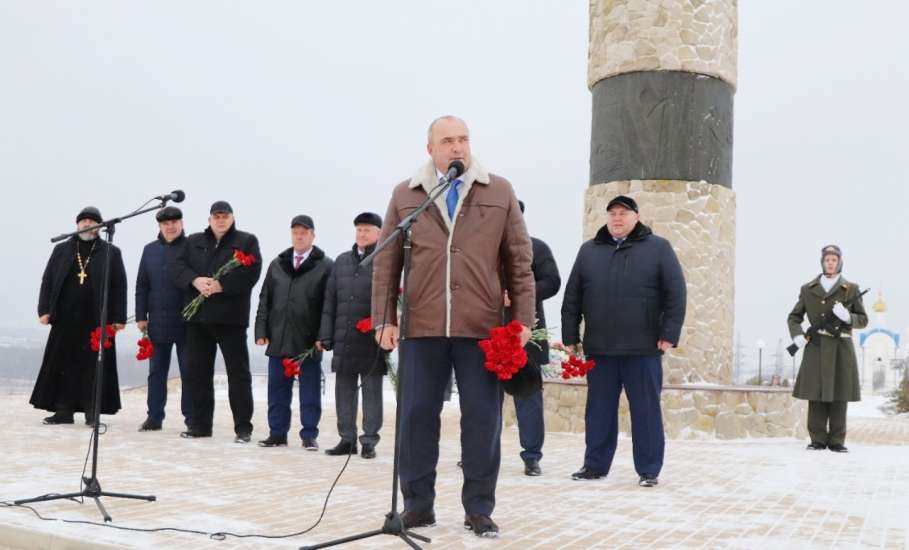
(92,488)
(393,523)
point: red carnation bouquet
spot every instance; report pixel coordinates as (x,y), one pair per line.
(576,367)
(292,364)
(573,365)
(240,259)
(95,338)
(505,355)
(146,349)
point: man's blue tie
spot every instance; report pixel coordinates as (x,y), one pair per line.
(451,199)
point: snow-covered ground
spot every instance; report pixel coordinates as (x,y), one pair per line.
(767,493)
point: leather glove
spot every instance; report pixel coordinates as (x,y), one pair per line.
(840,311)
(800,341)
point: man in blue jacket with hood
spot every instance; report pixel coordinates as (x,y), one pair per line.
(628,286)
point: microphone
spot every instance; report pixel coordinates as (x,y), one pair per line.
(176,196)
(455,169)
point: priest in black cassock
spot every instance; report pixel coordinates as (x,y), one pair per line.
(70,301)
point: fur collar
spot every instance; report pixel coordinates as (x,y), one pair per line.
(426,175)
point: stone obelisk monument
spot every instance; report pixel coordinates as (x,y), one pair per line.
(663,74)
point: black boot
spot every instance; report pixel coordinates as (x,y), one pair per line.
(369,451)
(150,426)
(342,448)
(59,418)
(274,441)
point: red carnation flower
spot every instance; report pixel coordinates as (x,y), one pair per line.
(291,367)
(146,349)
(95,338)
(364,325)
(576,367)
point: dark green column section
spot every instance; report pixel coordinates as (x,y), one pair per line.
(658,125)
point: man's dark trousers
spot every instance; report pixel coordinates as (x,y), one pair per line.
(281,395)
(529,411)
(346,400)
(642,378)
(202,343)
(158,367)
(426,365)
(819,413)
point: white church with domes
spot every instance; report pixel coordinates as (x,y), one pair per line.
(880,357)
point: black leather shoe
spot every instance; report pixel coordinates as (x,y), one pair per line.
(194,434)
(838,448)
(342,449)
(532,468)
(310,444)
(243,437)
(59,418)
(412,520)
(482,526)
(815,446)
(369,451)
(586,474)
(648,480)
(274,441)
(150,426)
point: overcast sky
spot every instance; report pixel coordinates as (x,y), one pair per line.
(321,107)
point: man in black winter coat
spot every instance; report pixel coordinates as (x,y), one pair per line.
(529,410)
(70,302)
(347,329)
(221,321)
(628,286)
(158,312)
(287,322)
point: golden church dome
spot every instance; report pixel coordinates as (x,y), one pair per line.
(879,305)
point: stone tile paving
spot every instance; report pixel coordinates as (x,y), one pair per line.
(766,493)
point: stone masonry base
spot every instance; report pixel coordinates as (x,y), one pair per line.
(689,411)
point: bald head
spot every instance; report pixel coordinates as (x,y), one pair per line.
(448,118)
(448,141)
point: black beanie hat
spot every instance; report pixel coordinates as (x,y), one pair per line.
(89,213)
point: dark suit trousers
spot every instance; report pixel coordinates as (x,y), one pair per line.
(426,365)
(642,378)
(202,343)
(529,412)
(820,413)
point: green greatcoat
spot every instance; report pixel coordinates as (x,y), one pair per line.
(829,371)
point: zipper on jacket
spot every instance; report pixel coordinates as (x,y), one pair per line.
(448,282)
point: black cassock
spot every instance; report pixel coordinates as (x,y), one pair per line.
(66,380)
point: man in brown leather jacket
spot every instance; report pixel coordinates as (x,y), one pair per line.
(468,247)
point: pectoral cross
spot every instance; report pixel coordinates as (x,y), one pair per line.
(82,275)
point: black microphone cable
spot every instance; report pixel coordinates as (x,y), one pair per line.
(216,535)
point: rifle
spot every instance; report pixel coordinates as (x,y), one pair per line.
(830,323)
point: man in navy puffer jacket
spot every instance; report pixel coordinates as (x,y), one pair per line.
(628,286)
(158,310)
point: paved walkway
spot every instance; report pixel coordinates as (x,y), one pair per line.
(713,494)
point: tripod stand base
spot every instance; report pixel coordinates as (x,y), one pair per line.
(393,526)
(93,491)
